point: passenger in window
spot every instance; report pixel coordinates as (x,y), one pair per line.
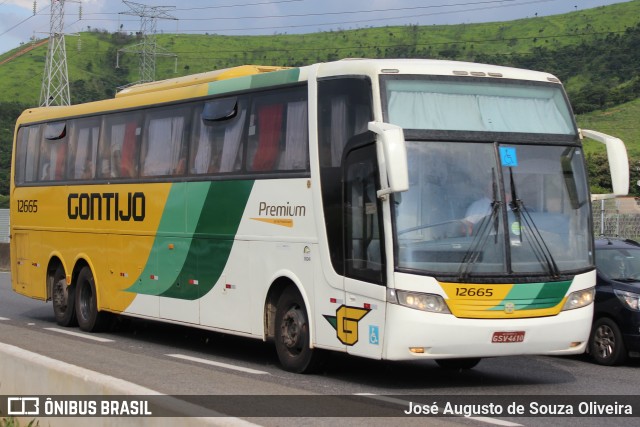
(116,159)
(87,172)
(181,167)
(46,172)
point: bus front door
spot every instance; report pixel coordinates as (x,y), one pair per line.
(365,266)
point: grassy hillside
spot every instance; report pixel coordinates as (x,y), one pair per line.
(92,56)
(622,121)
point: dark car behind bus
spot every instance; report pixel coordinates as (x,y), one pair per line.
(615,334)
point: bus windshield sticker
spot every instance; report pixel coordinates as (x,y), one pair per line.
(508,156)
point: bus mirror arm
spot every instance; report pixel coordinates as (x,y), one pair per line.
(618,163)
(392,156)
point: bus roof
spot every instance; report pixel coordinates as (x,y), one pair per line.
(222,81)
(194,79)
(435,67)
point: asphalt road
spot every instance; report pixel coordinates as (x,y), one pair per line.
(177,360)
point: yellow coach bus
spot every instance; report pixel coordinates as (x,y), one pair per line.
(390,209)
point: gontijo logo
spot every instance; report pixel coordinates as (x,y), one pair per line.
(279,214)
(106,206)
(345,322)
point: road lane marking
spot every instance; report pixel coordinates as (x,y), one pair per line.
(3,318)
(78,334)
(218,364)
(405,404)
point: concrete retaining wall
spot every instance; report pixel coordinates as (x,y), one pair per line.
(23,373)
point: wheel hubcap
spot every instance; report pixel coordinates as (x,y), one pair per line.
(60,295)
(605,341)
(292,330)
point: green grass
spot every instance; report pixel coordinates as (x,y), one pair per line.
(622,121)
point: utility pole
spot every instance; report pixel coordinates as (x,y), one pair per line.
(147,48)
(55,84)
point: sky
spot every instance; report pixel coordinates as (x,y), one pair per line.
(19,24)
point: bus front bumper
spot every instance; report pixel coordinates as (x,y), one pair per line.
(413,334)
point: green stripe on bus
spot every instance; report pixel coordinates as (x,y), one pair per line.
(532,296)
(178,260)
(254,81)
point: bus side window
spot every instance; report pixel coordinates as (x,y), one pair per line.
(278,132)
(163,148)
(27,154)
(119,146)
(83,148)
(296,140)
(53,152)
(344,109)
(268,129)
(218,130)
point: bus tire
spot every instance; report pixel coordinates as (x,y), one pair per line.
(458,364)
(606,344)
(292,336)
(89,318)
(63,299)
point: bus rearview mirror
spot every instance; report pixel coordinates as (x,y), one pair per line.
(618,163)
(392,155)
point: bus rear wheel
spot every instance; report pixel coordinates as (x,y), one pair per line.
(292,335)
(63,298)
(89,318)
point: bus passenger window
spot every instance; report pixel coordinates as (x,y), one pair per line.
(218,128)
(119,146)
(83,148)
(269,132)
(27,154)
(296,139)
(53,152)
(162,147)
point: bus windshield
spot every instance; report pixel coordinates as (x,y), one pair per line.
(493,209)
(481,206)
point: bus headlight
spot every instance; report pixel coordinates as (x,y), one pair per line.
(629,299)
(419,301)
(579,299)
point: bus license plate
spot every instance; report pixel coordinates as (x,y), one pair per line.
(507,337)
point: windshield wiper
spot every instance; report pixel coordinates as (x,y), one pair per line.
(538,245)
(480,239)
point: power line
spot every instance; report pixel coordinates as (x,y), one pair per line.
(353,12)
(23,21)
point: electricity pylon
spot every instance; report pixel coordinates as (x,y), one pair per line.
(147,48)
(55,84)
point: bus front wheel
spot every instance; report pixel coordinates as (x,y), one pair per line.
(63,298)
(292,335)
(89,318)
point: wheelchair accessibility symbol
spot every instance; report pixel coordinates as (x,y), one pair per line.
(373,335)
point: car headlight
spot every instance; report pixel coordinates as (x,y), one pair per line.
(629,299)
(579,299)
(419,301)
